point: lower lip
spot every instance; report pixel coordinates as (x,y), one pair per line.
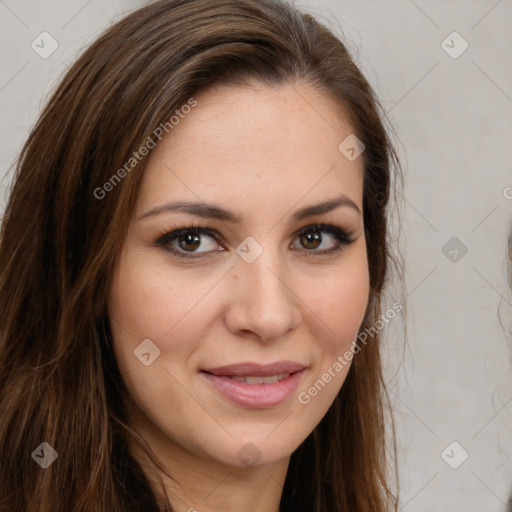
(255,395)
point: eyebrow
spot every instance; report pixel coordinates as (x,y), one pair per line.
(212,211)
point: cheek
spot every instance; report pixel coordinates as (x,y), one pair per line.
(340,304)
(150,301)
(339,308)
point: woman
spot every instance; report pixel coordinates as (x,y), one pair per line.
(194,246)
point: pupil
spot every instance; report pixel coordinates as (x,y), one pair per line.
(192,239)
(313,240)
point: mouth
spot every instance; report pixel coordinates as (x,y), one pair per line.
(252,385)
(253,379)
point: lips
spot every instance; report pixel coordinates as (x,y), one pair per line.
(253,385)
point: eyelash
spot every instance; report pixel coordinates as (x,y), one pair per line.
(166,237)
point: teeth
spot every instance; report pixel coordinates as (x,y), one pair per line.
(261,380)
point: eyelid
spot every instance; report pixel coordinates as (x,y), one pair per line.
(329,228)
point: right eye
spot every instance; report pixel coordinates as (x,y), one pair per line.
(186,242)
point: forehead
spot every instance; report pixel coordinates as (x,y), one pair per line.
(271,146)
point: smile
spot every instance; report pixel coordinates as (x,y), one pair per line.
(252,385)
(260,380)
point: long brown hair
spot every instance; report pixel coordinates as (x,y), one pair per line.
(59,380)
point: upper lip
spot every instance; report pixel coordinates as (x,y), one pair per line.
(255,369)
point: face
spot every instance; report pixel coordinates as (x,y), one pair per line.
(229,313)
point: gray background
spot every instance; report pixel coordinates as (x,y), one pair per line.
(452,116)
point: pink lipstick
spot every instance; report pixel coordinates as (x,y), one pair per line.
(253,385)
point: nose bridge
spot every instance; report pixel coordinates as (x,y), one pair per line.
(265,302)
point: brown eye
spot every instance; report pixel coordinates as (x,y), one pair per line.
(194,242)
(189,242)
(323,239)
(311,240)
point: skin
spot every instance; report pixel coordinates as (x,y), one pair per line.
(261,152)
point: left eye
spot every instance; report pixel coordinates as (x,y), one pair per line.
(314,238)
(187,242)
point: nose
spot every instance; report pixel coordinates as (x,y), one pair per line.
(262,300)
